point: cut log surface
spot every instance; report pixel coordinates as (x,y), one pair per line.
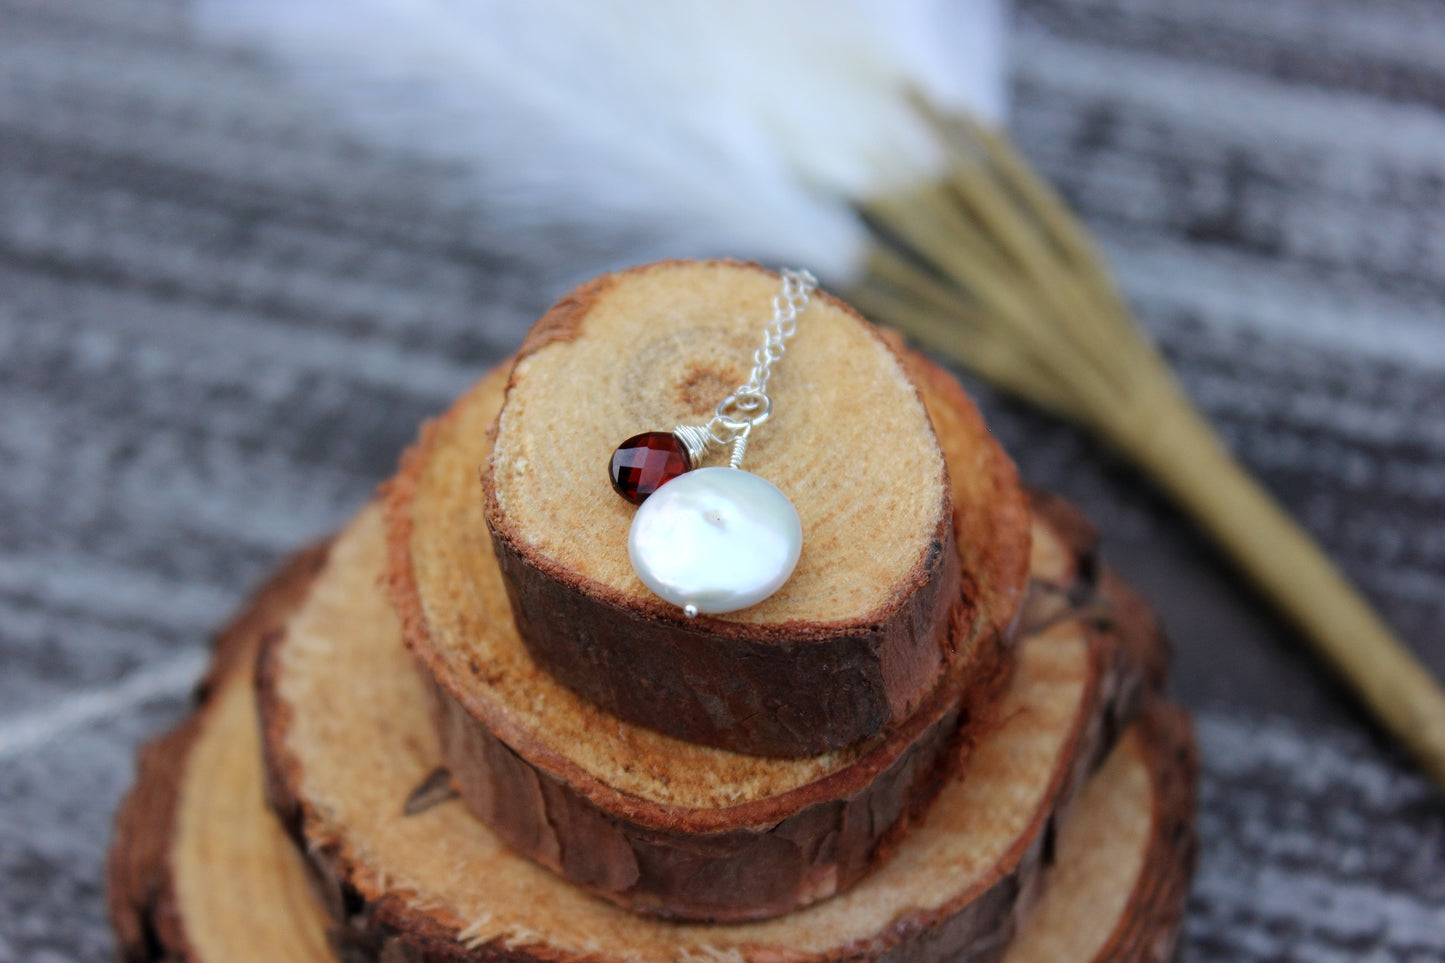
(678,830)
(863,631)
(642,819)
(196,823)
(203,872)
(345,725)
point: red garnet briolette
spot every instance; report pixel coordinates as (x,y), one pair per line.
(644,463)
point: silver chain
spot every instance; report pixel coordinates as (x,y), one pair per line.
(750,405)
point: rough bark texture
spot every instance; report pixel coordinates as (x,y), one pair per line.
(776,684)
(138,878)
(1064,570)
(825,845)
(796,691)
(733,862)
(1150,931)
(660,860)
(1075,687)
(808,830)
(375,924)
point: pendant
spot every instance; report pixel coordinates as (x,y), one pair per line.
(715,540)
(644,463)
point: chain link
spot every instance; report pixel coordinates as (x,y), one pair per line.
(749,405)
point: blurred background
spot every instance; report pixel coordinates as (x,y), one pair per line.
(226,303)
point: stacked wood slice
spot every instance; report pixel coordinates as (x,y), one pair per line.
(465,731)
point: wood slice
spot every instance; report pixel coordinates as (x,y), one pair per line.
(202,872)
(676,830)
(1063,569)
(148,868)
(344,725)
(1107,896)
(859,636)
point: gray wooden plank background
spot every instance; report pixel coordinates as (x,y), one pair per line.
(221,317)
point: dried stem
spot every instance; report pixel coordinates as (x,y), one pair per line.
(989,267)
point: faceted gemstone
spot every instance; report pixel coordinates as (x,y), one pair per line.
(644,463)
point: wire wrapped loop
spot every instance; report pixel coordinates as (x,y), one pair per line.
(750,405)
(696,440)
(740,447)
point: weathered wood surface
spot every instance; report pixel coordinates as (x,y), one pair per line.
(222,318)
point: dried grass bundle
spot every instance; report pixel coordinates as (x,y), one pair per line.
(988,267)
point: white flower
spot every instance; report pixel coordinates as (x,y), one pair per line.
(743,127)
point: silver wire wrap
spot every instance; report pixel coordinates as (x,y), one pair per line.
(749,405)
(695,442)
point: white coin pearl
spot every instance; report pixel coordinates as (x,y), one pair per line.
(715,540)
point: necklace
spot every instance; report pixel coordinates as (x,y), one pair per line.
(719,539)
